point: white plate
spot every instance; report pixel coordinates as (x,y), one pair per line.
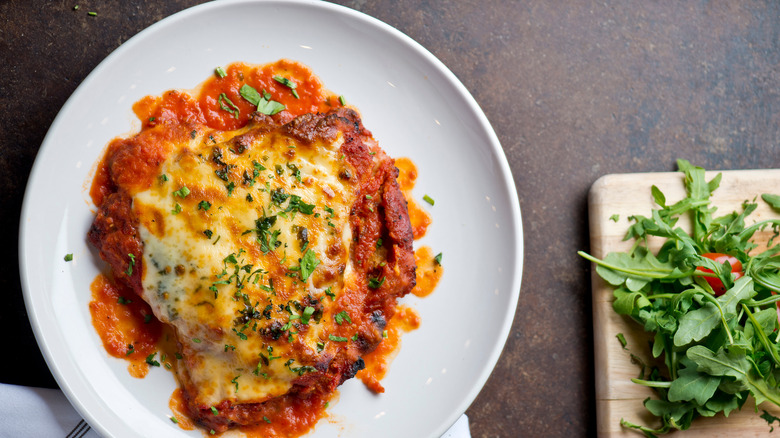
(415,107)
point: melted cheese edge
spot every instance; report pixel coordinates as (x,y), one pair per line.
(210,228)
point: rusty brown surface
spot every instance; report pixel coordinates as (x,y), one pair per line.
(574,90)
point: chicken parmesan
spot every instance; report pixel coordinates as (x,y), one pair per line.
(273,240)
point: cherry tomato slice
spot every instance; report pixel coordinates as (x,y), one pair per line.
(714,282)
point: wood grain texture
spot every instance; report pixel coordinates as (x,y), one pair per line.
(625,195)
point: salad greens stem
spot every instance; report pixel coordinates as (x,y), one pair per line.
(761,335)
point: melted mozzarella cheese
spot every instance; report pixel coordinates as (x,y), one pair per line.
(243,234)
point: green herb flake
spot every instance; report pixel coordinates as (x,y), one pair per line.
(287,83)
(309,263)
(342,317)
(376,283)
(182,192)
(204,205)
(335,338)
(130,265)
(220,72)
(342,101)
(226,104)
(214,411)
(437,259)
(263,101)
(150,360)
(614,218)
(68,257)
(174,420)
(428,199)
(123,301)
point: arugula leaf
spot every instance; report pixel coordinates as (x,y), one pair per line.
(773,200)
(734,365)
(691,384)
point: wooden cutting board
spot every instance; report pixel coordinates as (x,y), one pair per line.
(616,396)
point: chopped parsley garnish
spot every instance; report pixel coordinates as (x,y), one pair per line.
(130,265)
(176,209)
(428,199)
(226,104)
(208,233)
(263,101)
(278,196)
(437,259)
(204,205)
(297,204)
(220,72)
(376,283)
(307,313)
(68,257)
(330,294)
(240,334)
(309,262)
(164,178)
(287,83)
(341,317)
(123,300)
(150,360)
(182,192)
(335,338)
(130,349)
(268,239)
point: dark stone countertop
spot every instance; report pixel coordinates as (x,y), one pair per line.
(573,91)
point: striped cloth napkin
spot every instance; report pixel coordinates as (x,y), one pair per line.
(38,412)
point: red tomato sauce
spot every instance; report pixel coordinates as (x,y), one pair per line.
(407,177)
(378,361)
(429,272)
(124,323)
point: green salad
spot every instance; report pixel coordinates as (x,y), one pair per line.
(709,300)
